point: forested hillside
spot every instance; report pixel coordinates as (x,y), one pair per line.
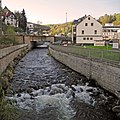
(57,29)
(115,19)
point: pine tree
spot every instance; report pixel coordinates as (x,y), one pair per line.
(22,21)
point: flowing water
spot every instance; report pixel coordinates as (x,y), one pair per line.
(47,90)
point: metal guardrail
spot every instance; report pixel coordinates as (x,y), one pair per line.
(8,50)
(109,55)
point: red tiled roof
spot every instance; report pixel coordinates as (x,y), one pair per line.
(8,13)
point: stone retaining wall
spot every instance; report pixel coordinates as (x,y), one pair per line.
(106,75)
(8,54)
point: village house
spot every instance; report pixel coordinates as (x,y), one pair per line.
(87,30)
(30,27)
(110,31)
(37,29)
(9,18)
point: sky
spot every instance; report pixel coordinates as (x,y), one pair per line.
(54,11)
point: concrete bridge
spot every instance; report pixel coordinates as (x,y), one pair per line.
(26,42)
(33,40)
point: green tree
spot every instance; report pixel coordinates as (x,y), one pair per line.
(104,19)
(10,30)
(117,21)
(22,21)
(18,17)
(109,19)
(9,39)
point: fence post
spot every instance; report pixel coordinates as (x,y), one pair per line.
(89,54)
(102,54)
(119,57)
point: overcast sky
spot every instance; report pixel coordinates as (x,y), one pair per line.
(54,11)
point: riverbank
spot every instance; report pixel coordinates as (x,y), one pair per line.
(43,87)
(105,74)
(7,108)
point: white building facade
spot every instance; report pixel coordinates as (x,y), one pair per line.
(88,31)
(11,20)
(110,31)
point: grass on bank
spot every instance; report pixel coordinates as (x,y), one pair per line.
(102,52)
(109,47)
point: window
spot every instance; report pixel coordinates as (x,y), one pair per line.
(95,31)
(87,38)
(86,24)
(91,24)
(82,31)
(84,38)
(89,18)
(74,30)
(91,38)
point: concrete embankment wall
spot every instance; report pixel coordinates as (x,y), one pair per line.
(106,75)
(8,54)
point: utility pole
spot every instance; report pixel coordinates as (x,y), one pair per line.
(66,17)
(66,29)
(0,19)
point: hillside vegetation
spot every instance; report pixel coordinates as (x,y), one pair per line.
(56,29)
(115,19)
(66,28)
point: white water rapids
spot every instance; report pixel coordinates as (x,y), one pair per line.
(58,96)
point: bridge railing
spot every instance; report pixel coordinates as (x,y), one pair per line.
(109,55)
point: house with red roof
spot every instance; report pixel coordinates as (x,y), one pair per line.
(9,17)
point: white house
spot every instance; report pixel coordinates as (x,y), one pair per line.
(110,31)
(87,30)
(30,27)
(9,18)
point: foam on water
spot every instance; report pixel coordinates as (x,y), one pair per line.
(57,96)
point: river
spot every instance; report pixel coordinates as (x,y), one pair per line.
(45,89)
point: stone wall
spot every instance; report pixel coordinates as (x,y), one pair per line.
(106,75)
(8,54)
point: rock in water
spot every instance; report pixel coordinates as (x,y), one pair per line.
(116,109)
(118,115)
